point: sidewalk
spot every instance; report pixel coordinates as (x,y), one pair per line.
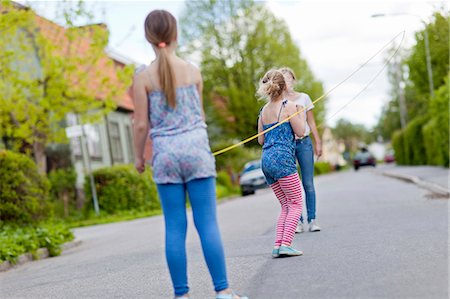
(433,178)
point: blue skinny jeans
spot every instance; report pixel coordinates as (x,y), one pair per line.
(305,156)
(202,196)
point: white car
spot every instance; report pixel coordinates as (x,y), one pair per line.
(252,178)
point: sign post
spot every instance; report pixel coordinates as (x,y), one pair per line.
(86,131)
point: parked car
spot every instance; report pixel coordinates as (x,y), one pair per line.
(389,156)
(364,158)
(252,178)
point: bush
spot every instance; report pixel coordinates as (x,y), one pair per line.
(398,145)
(426,138)
(414,142)
(23,191)
(436,143)
(63,190)
(436,130)
(221,191)
(224,185)
(15,241)
(322,168)
(122,188)
(224,179)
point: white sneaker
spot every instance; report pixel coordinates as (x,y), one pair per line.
(313,227)
(299,228)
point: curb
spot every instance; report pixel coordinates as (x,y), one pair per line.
(434,188)
(42,253)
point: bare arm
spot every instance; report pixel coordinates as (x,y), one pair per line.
(199,85)
(260,129)
(298,121)
(312,125)
(141,123)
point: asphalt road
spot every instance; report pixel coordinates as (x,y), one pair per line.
(381,238)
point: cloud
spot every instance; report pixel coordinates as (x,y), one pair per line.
(337,37)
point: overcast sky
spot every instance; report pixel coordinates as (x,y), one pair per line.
(335,37)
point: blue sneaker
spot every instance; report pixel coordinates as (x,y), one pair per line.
(276,252)
(289,251)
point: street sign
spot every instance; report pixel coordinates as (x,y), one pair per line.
(77,131)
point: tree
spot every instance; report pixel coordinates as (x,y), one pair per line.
(389,120)
(351,134)
(238,41)
(414,74)
(438,35)
(48,71)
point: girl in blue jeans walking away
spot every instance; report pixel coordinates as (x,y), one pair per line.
(168,103)
(278,158)
(304,150)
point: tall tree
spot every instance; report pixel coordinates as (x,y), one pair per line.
(418,88)
(351,134)
(238,41)
(438,36)
(389,120)
(415,75)
(48,71)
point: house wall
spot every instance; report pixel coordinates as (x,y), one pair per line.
(113,146)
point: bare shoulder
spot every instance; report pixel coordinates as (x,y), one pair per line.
(141,74)
(195,71)
(142,77)
(139,80)
(291,107)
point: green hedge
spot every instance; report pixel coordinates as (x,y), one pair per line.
(224,185)
(409,144)
(414,141)
(398,144)
(122,188)
(436,131)
(322,168)
(23,191)
(426,138)
(424,142)
(15,241)
(436,143)
(224,179)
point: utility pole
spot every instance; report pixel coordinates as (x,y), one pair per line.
(427,45)
(87,161)
(401,94)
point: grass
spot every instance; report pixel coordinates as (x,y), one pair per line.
(92,219)
(16,240)
(105,218)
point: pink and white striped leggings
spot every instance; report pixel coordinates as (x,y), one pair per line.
(288,190)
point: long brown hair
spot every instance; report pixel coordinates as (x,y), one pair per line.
(160,31)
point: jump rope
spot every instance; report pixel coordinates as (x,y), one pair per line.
(327,93)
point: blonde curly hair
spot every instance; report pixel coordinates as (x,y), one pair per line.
(271,85)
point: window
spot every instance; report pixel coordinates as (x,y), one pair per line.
(116,145)
(130,143)
(94,142)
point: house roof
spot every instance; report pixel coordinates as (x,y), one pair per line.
(107,63)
